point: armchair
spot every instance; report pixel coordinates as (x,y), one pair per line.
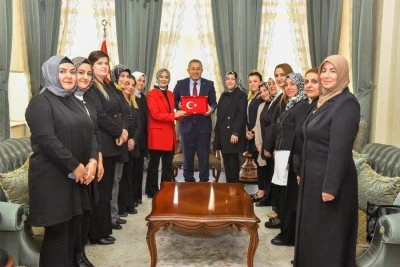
(15,237)
(384,249)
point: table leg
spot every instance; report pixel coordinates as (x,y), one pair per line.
(151,243)
(252,247)
(253,242)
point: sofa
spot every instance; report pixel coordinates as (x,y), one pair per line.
(378,167)
(17,238)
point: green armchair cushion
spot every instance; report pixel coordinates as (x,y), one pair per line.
(15,185)
(12,216)
(359,160)
(375,188)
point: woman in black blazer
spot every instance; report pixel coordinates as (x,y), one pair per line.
(264,178)
(287,234)
(130,115)
(142,142)
(84,82)
(274,110)
(254,100)
(119,80)
(230,128)
(111,136)
(294,106)
(63,163)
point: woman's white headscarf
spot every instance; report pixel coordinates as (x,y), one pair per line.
(137,75)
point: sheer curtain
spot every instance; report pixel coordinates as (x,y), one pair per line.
(297,11)
(170,33)
(69,12)
(5,58)
(207,41)
(268,15)
(104,10)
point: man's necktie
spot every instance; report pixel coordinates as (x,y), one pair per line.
(194,89)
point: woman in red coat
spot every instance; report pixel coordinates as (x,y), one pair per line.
(161,131)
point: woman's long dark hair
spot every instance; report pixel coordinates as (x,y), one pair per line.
(93,57)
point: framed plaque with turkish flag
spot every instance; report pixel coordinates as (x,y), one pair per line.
(194,104)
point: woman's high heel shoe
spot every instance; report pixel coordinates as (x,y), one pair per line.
(256,198)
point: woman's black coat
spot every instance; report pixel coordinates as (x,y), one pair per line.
(327,231)
(231,119)
(62,137)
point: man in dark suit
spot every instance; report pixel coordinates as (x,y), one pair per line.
(195,130)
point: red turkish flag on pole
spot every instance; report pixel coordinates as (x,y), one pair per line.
(104,47)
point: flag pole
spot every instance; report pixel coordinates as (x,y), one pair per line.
(104,45)
(104,23)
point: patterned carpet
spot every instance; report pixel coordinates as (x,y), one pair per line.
(176,249)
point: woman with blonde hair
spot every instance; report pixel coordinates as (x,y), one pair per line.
(130,113)
(253,101)
(274,110)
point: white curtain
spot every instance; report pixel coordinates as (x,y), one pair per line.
(298,18)
(207,41)
(171,25)
(104,10)
(67,26)
(267,27)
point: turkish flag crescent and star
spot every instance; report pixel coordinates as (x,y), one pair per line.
(104,49)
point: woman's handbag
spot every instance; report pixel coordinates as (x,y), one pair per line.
(375,211)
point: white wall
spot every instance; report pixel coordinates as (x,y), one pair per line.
(385,123)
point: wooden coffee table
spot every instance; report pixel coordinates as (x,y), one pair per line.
(202,208)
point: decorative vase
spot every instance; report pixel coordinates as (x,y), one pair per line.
(248,172)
